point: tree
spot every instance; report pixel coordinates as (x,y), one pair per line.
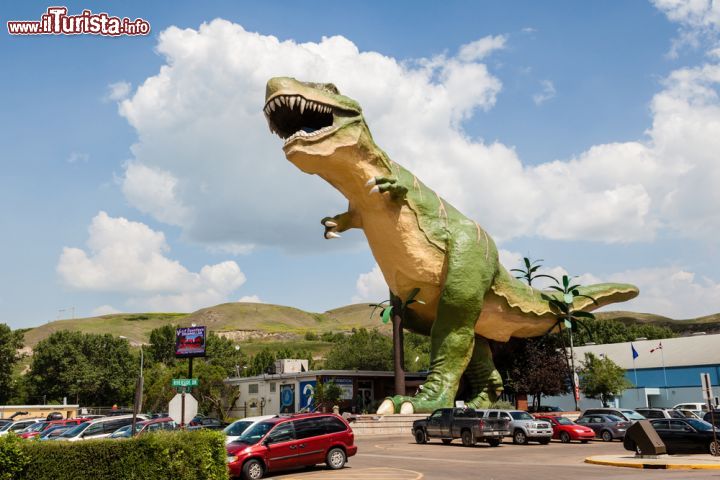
(10,343)
(162,345)
(601,378)
(363,350)
(89,368)
(327,395)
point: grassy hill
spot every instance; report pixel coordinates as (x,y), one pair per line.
(256,325)
(244,322)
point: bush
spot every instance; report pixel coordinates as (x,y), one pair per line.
(157,456)
(13,458)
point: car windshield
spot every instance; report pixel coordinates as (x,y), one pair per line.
(237,428)
(35,427)
(521,416)
(253,434)
(75,431)
(5,427)
(122,432)
(675,414)
(564,421)
(632,415)
(54,431)
(700,425)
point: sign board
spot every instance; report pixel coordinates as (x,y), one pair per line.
(184,382)
(190,342)
(287,398)
(706,387)
(307,396)
(175,408)
(346,385)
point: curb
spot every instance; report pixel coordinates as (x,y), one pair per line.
(654,466)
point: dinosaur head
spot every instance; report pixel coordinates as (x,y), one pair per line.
(312,118)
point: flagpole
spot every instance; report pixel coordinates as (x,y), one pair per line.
(662,356)
(637,387)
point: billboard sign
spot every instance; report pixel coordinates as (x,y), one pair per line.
(190,342)
(287,398)
(307,396)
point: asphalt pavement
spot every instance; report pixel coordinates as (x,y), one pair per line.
(399,458)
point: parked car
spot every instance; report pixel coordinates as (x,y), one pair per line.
(523,427)
(683,435)
(545,409)
(715,415)
(566,430)
(235,429)
(291,441)
(650,413)
(152,425)
(54,431)
(624,413)
(689,414)
(36,429)
(695,406)
(98,428)
(19,425)
(207,422)
(607,427)
(448,424)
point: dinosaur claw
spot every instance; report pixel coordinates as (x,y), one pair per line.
(372,181)
(330,224)
(375,189)
(330,235)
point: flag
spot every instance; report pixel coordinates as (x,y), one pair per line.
(634,352)
(659,347)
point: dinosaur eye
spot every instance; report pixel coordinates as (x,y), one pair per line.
(330,87)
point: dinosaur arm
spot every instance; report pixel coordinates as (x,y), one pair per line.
(341,222)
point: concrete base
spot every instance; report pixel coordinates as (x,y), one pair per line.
(366,425)
(663,462)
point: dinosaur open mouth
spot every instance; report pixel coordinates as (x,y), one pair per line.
(293,116)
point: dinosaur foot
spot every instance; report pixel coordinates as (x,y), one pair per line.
(408,405)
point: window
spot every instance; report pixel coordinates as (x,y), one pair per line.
(282,433)
(96,429)
(661,425)
(111,426)
(311,427)
(678,425)
(493,414)
(253,388)
(273,387)
(333,425)
(436,415)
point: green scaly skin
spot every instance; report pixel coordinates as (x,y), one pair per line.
(471,272)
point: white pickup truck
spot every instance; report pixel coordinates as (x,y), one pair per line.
(523,426)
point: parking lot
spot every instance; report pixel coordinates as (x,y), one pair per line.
(399,458)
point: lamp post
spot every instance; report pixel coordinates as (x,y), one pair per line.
(137,403)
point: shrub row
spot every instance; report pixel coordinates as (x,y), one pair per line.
(197,455)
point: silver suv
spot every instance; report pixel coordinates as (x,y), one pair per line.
(524,427)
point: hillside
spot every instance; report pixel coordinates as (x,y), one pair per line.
(258,323)
(254,322)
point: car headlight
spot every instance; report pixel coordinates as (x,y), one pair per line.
(231,458)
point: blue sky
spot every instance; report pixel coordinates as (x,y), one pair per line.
(138,173)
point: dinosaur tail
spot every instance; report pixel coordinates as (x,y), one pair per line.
(517,310)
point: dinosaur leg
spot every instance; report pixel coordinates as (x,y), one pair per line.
(453,336)
(485,381)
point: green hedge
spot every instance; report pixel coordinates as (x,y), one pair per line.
(197,455)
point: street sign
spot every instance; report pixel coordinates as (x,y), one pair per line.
(175,409)
(184,382)
(706,387)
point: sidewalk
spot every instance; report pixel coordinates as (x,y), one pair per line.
(667,462)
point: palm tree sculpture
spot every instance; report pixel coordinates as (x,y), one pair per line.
(394,308)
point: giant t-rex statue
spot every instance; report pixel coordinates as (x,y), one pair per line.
(419,241)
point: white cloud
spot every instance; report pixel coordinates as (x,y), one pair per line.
(250,299)
(205,161)
(480,49)
(371,287)
(78,157)
(104,310)
(691,13)
(118,91)
(129,257)
(547,92)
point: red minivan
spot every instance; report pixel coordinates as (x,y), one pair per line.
(291,441)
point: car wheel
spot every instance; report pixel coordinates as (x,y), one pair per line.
(336,458)
(494,442)
(253,470)
(544,441)
(420,436)
(714,448)
(468,439)
(447,441)
(519,437)
(564,437)
(606,436)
